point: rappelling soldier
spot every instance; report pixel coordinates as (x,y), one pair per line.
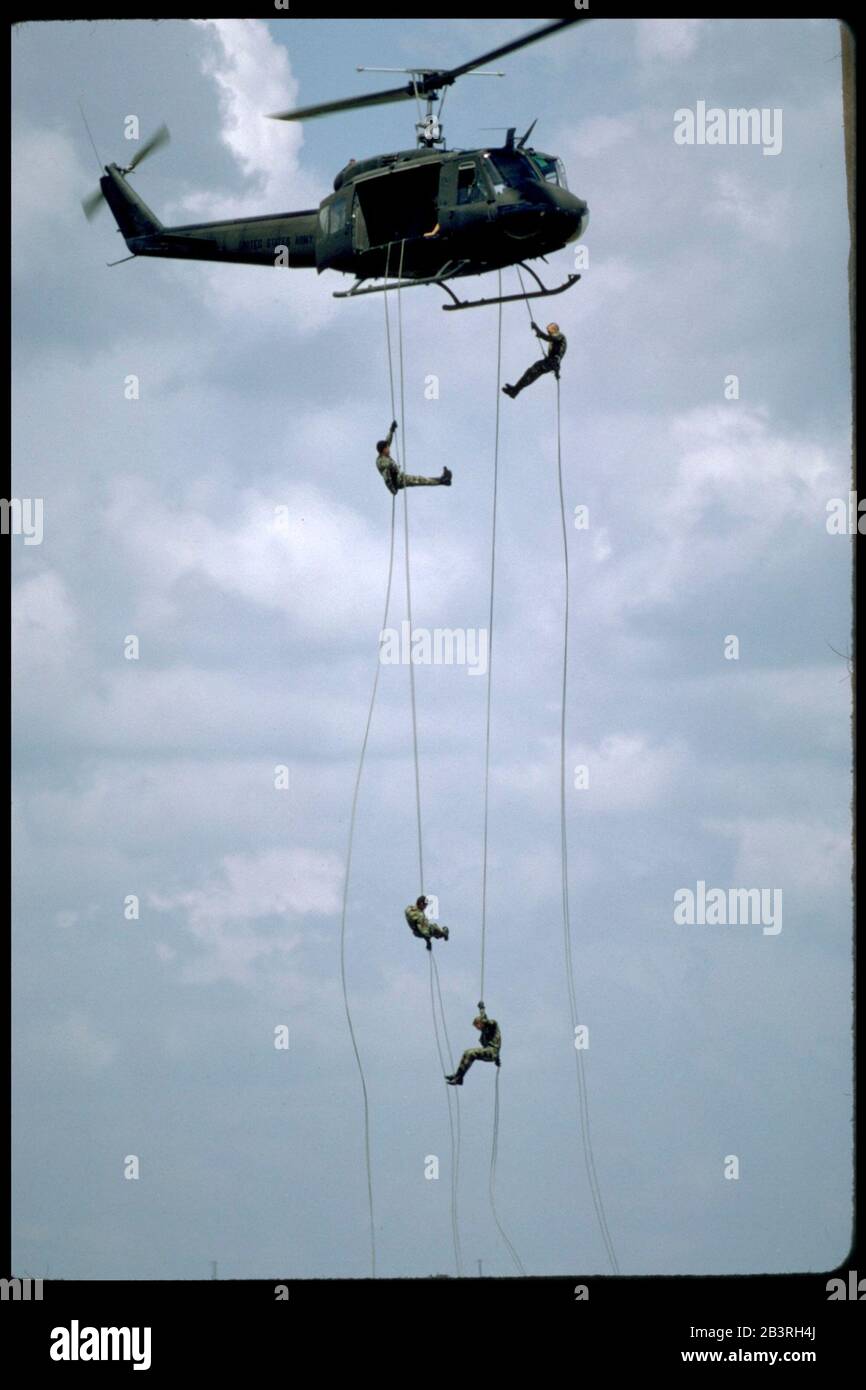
(550,363)
(421,925)
(491,1042)
(394,476)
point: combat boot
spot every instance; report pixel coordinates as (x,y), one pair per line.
(445,479)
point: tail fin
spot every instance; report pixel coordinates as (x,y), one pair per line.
(132,215)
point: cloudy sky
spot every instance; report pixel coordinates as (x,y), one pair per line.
(257,646)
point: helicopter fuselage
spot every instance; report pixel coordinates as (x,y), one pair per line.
(406,214)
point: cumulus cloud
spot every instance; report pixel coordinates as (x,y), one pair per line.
(252,74)
(302,553)
(626,771)
(43,158)
(240,916)
(44,625)
(757,212)
(667,40)
(798,855)
(732,481)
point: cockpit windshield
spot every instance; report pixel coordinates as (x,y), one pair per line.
(510,167)
(551,169)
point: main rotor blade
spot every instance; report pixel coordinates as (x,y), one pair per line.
(427,81)
(157,140)
(92,203)
(512,46)
(304,113)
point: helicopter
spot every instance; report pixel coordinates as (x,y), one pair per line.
(425,216)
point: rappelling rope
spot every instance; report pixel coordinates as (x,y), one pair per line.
(495,1145)
(352,840)
(490,642)
(454,1129)
(408,583)
(589,1158)
(528,310)
(566,919)
(493,1152)
(455,1138)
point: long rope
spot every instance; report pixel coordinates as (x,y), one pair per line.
(566,917)
(351,843)
(346,899)
(408,584)
(490,642)
(528,310)
(493,1153)
(454,1129)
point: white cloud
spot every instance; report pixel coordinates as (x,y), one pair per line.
(598,135)
(41,159)
(254,79)
(759,213)
(799,856)
(82,1043)
(627,771)
(225,914)
(670,40)
(319,562)
(253,76)
(717,487)
(44,625)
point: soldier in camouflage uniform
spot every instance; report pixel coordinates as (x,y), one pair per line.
(550,363)
(394,476)
(420,925)
(491,1042)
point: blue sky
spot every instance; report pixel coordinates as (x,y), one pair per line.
(155,777)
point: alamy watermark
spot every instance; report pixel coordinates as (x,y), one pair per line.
(708,907)
(443,646)
(22,516)
(736,126)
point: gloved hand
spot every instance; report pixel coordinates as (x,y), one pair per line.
(481,1003)
(393,426)
(535,328)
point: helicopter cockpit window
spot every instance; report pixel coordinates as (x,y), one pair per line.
(469,187)
(511,168)
(551,169)
(337,215)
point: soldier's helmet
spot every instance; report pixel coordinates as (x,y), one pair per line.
(422,902)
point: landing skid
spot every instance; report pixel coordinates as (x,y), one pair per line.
(541,293)
(449,269)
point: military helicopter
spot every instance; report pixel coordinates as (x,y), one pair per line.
(426,216)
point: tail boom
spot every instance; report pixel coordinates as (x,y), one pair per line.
(275,239)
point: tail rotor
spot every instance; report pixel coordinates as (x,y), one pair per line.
(94,201)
